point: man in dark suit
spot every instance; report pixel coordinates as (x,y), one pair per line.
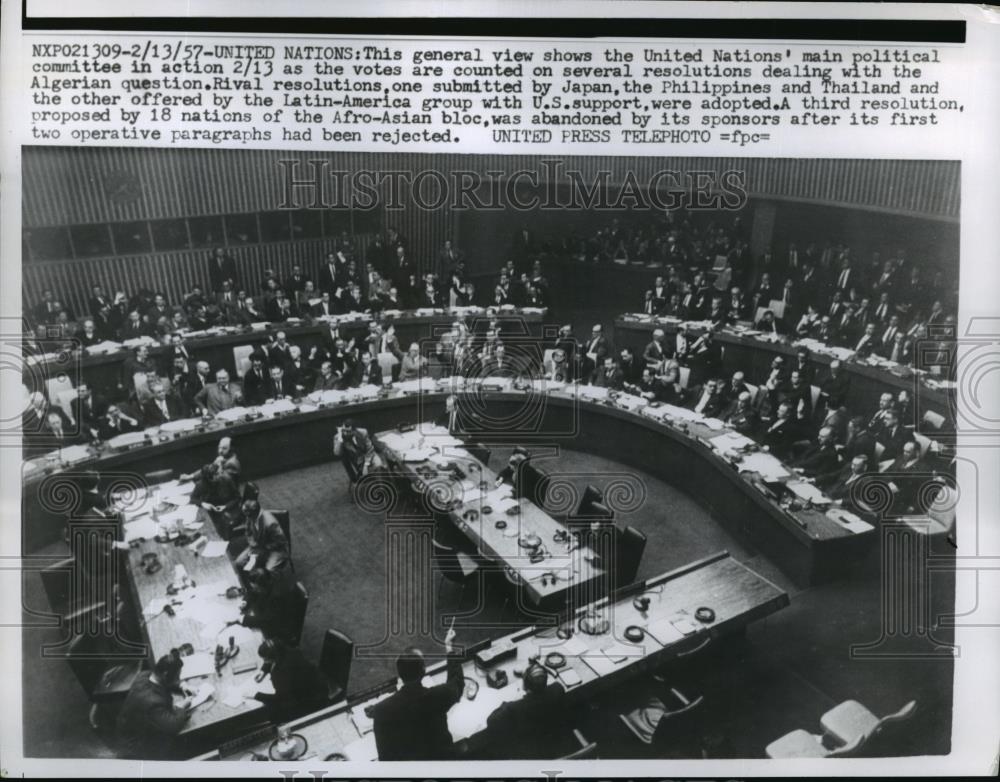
(821,457)
(908,473)
(299,686)
(161,407)
(783,432)
(150,718)
(847,487)
(608,376)
(134,327)
(267,546)
(630,367)
(769,324)
(741,416)
(325,306)
(279,385)
(114,422)
(893,436)
(529,728)
(221,267)
(255,380)
(412,724)
(656,351)
(835,387)
(365,372)
(87,409)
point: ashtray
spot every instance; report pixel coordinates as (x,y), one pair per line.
(500,524)
(536,556)
(531,540)
(555,660)
(487,510)
(640,602)
(705,614)
(513,510)
(594,624)
(634,633)
(470,515)
(294,747)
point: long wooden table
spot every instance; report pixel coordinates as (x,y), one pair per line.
(572,565)
(197,608)
(103,371)
(753,356)
(737,595)
(807,544)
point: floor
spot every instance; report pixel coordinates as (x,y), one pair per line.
(787,671)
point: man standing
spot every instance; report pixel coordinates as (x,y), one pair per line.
(413,723)
(356,450)
(221,267)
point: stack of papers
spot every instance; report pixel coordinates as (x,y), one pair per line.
(770,468)
(363,392)
(198,664)
(181,425)
(143,528)
(329,397)
(104,347)
(497,383)
(807,491)
(630,402)
(420,385)
(278,406)
(467,718)
(849,520)
(730,441)
(72,453)
(127,439)
(593,392)
(185,514)
(233,413)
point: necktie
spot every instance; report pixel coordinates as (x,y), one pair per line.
(163,409)
(843,279)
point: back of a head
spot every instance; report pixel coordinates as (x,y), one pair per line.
(168,667)
(410,665)
(536,679)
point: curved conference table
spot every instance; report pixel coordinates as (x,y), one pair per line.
(810,545)
(744,350)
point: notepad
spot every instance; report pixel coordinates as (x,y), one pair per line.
(198,664)
(143,528)
(214,548)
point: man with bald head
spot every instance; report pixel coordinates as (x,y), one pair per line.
(220,395)
(529,728)
(821,458)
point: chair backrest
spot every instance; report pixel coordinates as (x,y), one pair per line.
(934,420)
(57,385)
(547,359)
(681,722)
(159,476)
(251,491)
(631,545)
(87,657)
(851,748)
(684,375)
(777,306)
(887,736)
(446,558)
(814,395)
(533,483)
(923,442)
(720,263)
(586,749)
(759,314)
(64,399)
(285,521)
(335,658)
(56,582)
(942,508)
(480,451)
(241,358)
(297,620)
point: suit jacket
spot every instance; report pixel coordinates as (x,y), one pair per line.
(743,421)
(213,399)
(148,721)
(285,387)
(218,273)
(152,415)
(528,728)
(818,460)
(603,378)
(362,376)
(780,435)
(267,540)
(105,429)
(88,416)
(892,441)
(412,724)
(713,406)
(655,352)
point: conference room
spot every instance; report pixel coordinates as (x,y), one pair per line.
(382,482)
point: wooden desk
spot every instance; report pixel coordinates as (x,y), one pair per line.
(753,357)
(736,594)
(212,575)
(574,571)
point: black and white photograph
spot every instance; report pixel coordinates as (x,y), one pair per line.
(408,457)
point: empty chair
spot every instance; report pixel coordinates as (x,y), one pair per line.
(297,617)
(585,749)
(533,484)
(335,662)
(241,358)
(845,722)
(56,583)
(591,495)
(628,555)
(480,451)
(803,744)
(159,476)
(676,726)
(455,566)
(105,678)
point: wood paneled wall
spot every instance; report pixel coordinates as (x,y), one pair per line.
(68,186)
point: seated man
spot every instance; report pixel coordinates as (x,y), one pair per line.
(413,364)
(267,546)
(529,728)
(708,400)
(893,436)
(220,395)
(848,487)
(741,416)
(299,686)
(269,603)
(255,379)
(279,385)
(609,375)
(356,450)
(782,434)
(114,422)
(149,719)
(217,492)
(225,460)
(821,458)
(908,473)
(412,724)
(161,407)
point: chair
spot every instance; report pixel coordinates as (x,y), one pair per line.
(850,720)
(241,358)
(89,656)
(803,744)
(158,476)
(777,306)
(631,545)
(932,419)
(335,662)
(654,723)
(480,452)
(534,484)
(251,491)
(56,583)
(297,613)
(939,518)
(455,566)
(587,749)
(923,442)
(591,495)
(64,399)
(684,375)
(60,384)
(284,520)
